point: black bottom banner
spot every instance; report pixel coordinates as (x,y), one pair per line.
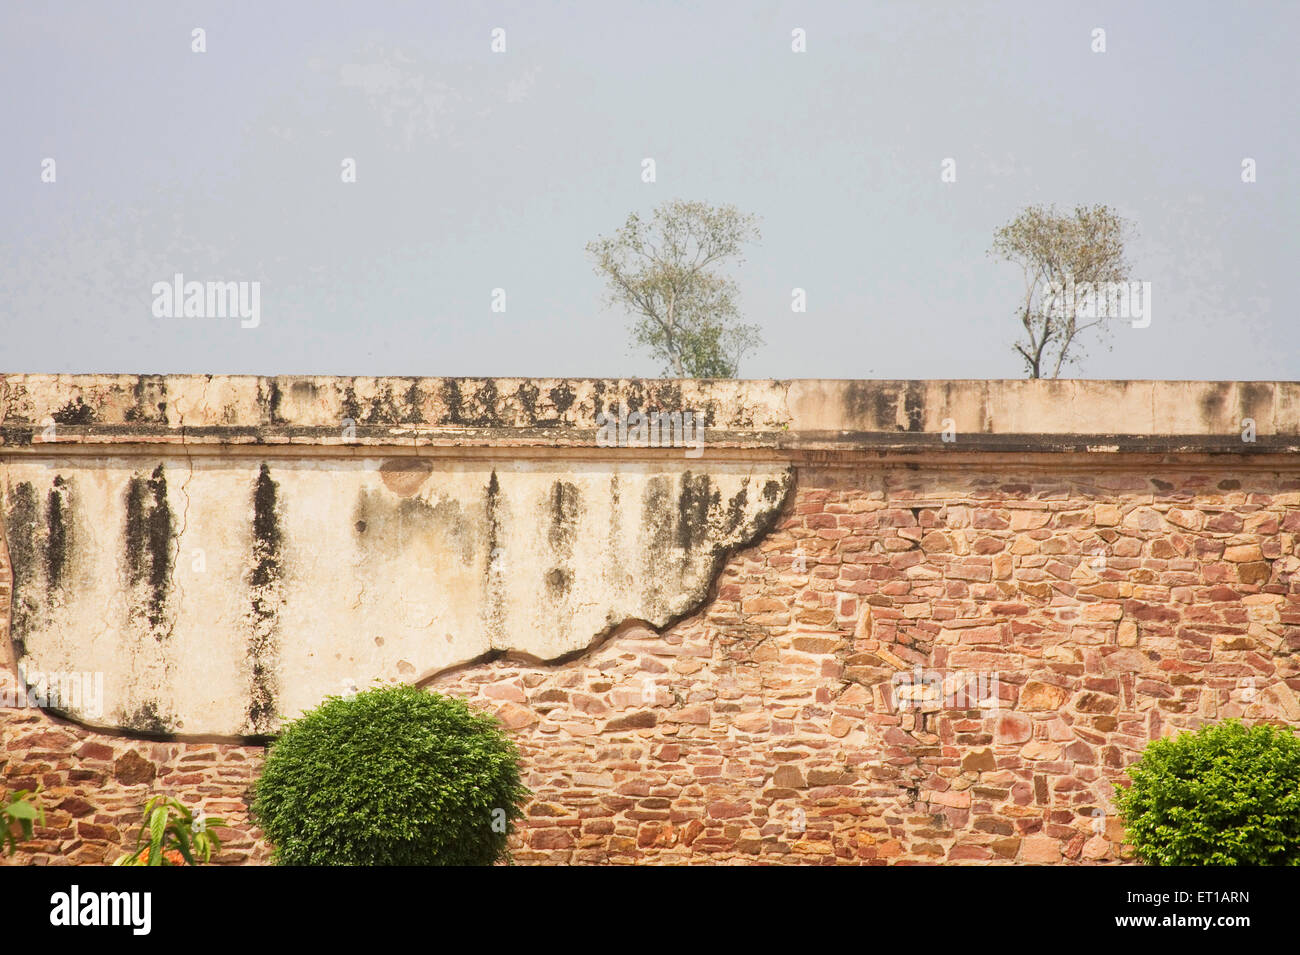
(1075,902)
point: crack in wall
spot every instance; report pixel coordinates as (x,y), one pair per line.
(764,526)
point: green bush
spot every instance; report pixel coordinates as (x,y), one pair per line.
(391,776)
(1224,795)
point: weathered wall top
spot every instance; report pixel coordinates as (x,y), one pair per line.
(776,416)
(226,551)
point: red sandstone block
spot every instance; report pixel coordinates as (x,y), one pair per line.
(727,810)
(957,800)
(88,830)
(551,839)
(970,571)
(1013,728)
(959,853)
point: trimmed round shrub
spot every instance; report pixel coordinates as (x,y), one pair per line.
(391,776)
(1224,795)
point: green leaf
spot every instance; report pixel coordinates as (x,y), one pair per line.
(22,810)
(157,829)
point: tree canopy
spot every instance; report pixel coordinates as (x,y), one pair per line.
(1061,251)
(666,272)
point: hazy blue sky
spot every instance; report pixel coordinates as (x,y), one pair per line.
(478,170)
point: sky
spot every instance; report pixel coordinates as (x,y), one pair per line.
(478,170)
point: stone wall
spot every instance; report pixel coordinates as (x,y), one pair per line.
(773,708)
(1104,599)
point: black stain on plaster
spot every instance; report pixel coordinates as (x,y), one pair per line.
(668,397)
(565,509)
(273,400)
(874,405)
(452,401)
(526,395)
(634,396)
(150,394)
(16,433)
(148,537)
(75,413)
(697,502)
(1256,399)
(304,390)
(562,397)
(493,504)
(148,544)
(265,593)
(883,408)
(146,720)
(688,533)
(266,529)
(384,527)
(482,412)
(736,508)
(661,569)
(1214,399)
(565,504)
(414,403)
(58,533)
(914,405)
(860,403)
(614,572)
(487,399)
(21,529)
(559,581)
(494,604)
(351,407)
(387,407)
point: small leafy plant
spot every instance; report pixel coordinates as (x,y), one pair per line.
(19,810)
(1224,795)
(172,835)
(392,776)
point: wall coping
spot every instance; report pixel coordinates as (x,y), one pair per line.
(789,418)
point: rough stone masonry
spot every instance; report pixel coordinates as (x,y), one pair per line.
(760,653)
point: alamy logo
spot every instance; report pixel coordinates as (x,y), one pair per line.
(181,299)
(74,908)
(82,693)
(1128,300)
(619,428)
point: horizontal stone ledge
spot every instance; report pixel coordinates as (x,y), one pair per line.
(1018,416)
(128,439)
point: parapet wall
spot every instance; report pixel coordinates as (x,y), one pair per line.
(764,642)
(781,417)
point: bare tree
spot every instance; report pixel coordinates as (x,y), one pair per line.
(665,272)
(1061,251)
